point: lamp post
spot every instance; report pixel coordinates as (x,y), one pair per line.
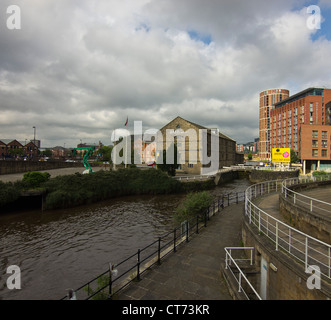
(34,141)
(34,135)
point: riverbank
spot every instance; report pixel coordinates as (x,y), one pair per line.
(65,191)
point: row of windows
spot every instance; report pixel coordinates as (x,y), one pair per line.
(324,153)
(324,134)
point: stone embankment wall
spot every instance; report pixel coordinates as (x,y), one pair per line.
(313,223)
(9,167)
(257,176)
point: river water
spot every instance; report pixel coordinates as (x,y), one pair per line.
(62,249)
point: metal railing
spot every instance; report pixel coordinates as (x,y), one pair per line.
(229,260)
(120,275)
(304,248)
(313,205)
(198,177)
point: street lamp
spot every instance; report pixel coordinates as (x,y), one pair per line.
(34,135)
(34,141)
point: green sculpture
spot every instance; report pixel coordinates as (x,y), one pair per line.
(86,156)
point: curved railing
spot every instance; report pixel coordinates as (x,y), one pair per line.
(310,251)
(314,205)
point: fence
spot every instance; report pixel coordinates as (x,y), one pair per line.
(120,275)
(302,200)
(199,177)
(308,250)
(229,260)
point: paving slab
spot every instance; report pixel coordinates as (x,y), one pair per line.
(193,271)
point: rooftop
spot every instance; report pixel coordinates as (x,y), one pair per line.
(300,95)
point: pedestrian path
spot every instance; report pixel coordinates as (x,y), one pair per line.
(193,271)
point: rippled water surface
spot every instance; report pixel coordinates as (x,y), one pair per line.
(57,250)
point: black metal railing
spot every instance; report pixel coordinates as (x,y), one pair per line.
(110,282)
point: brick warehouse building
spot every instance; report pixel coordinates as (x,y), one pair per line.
(268,98)
(293,121)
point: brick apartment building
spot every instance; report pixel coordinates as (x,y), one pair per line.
(294,122)
(315,147)
(268,99)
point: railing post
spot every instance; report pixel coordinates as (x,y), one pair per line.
(187,231)
(159,252)
(175,240)
(239,282)
(276,236)
(111,268)
(206,218)
(306,253)
(329,262)
(311,205)
(197,225)
(138,265)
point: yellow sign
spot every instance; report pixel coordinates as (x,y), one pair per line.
(281,155)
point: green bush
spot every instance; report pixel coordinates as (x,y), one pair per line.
(78,189)
(193,206)
(34,179)
(8,193)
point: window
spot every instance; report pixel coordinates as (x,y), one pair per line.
(315,144)
(315,134)
(324,143)
(311,107)
(324,153)
(324,134)
(315,153)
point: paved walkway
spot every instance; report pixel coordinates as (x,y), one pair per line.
(193,272)
(53,172)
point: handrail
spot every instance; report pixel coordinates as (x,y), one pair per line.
(171,240)
(305,248)
(196,177)
(296,197)
(229,259)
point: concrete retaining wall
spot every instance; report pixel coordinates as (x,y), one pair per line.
(288,281)
(9,167)
(312,223)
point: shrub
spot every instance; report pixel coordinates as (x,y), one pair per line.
(77,189)
(8,193)
(34,179)
(193,206)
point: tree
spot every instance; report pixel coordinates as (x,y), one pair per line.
(250,156)
(294,157)
(105,153)
(170,168)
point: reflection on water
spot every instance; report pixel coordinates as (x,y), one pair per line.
(62,249)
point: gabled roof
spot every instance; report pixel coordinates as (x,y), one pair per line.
(222,135)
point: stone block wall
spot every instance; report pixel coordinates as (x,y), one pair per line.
(9,167)
(266,175)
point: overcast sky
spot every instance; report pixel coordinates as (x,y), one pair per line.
(78,68)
